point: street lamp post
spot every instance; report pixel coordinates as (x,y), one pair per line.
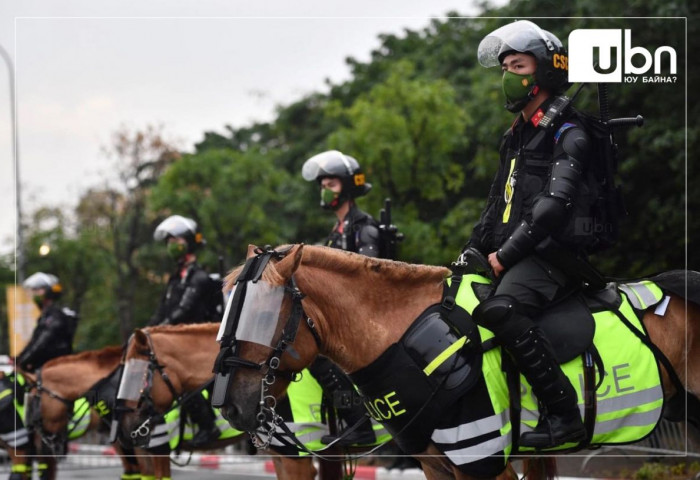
(15,151)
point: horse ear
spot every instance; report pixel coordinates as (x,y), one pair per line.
(289,264)
(140,337)
(251,251)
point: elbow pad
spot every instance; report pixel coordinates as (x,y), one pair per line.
(549,213)
(189,299)
(369,241)
(565,179)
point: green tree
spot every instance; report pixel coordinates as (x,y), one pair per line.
(404,131)
(237,198)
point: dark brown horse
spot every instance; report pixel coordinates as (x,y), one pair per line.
(62,383)
(359,307)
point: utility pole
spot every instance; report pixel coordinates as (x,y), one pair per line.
(19,258)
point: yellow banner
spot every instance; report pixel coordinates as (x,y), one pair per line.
(22,315)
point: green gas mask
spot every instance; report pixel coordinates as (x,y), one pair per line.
(38,301)
(329,199)
(517,90)
(176,250)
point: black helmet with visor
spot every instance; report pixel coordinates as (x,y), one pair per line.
(336,164)
(182,227)
(524,36)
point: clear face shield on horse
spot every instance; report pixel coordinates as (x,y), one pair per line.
(255,315)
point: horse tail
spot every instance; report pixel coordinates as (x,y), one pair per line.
(538,468)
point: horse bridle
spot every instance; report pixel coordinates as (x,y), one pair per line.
(145,398)
(228,360)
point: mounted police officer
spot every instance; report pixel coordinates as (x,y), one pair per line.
(186,300)
(53,335)
(340,180)
(540,190)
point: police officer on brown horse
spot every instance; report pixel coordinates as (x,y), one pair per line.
(186,300)
(53,335)
(340,180)
(540,191)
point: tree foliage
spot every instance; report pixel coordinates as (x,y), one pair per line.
(423,118)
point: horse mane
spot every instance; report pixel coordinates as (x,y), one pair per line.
(184,329)
(354,264)
(357,264)
(103,356)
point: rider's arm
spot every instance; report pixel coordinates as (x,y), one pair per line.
(193,295)
(368,241)
(552,209)
(42,347)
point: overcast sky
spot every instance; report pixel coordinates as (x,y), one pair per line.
(85,67)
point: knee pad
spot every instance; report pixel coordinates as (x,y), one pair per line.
(500,314)
(494,311)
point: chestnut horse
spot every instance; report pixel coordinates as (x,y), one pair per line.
(63,382)
(187,353)
(355,308)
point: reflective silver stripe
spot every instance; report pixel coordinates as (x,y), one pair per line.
(632,420)
(378,429)
(639,294)
(630,400)
(529,415)
(477,452)
(295,427)
(471,429)
(306,438)
(16,437)
(163,433)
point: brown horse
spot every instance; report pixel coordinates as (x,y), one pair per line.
(359,307)
(187,353)
(65,380)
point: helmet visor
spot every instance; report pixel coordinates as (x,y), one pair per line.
(520,36)
(331,164)
(175,226)
(40,280)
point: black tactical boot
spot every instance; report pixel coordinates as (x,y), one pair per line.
(560,419)
(201,413)
(338,388)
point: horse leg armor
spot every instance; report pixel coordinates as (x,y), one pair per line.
(341,392)
(560,419)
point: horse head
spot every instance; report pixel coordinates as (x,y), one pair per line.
(264,336)
(146,390)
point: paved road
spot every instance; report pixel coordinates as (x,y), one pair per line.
(113,473)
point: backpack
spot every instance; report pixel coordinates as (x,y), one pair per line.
(607,205)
